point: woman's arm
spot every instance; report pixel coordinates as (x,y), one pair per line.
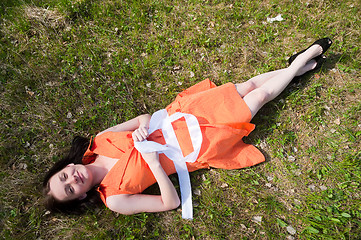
(136,203)
(141,122)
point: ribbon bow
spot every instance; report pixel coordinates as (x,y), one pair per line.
(161,120)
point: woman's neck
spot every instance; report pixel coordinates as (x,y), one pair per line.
(100,168)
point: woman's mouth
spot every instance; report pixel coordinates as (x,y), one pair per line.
(81,177)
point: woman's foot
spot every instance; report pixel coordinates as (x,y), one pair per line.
(320,60)
(312,65)
(325,43)
(308,67)
(305,57)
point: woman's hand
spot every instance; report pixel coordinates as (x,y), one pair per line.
(140,133)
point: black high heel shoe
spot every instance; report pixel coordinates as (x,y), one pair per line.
(325,43)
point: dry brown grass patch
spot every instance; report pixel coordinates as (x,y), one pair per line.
(42,17)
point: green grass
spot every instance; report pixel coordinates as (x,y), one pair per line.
(77,67)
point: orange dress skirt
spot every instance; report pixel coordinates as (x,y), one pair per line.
(224,119)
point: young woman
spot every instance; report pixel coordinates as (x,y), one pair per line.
(112,161)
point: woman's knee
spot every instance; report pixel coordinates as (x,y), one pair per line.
(246,87)
(261,95)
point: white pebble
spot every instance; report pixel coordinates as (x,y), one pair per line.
(297,172)
(197,192)
(46,213)
(224,185)
(291,230)
(312,187)
(257,219)
(23,166)
(278,18)
(243,226)
(291,158)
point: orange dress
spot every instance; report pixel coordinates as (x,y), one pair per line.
(224,119)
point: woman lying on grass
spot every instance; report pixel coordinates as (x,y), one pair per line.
(203,126)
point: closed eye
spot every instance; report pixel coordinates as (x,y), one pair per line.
(69,189)
(63,177)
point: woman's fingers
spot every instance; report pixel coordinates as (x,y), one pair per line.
(140,134)
(137,137)
(143,132)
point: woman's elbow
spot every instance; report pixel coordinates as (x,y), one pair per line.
(121,211)
(174,204)
(147,117)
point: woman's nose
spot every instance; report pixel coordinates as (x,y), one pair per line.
(74,179)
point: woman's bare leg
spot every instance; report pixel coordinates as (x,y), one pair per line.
(267,87)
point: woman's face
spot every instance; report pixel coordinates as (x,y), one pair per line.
(72,182)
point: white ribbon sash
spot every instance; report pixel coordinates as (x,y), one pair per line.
(161,120)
